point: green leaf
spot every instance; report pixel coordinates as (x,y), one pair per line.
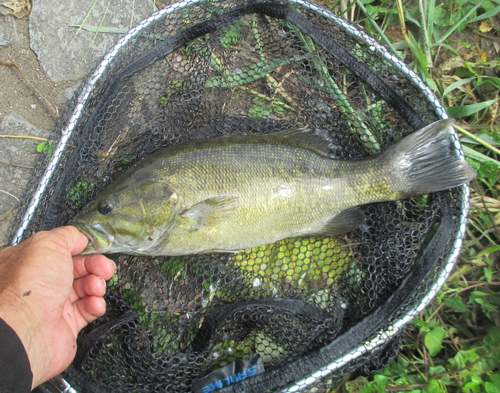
(434,339)
(488,172)
(430,82)
(491,388)
(488,273)
(461,23)
(41,147)
(488,5)
(486,137)
(478,156)
(456,303)
(423,325)
(417,52)
(458,361)
(381,380)
(486,15)
(493,337)
(467,110)
(486,305)
(457,84)
(485,80)
(475,382)
(491,250)
(436,370)
(435,386)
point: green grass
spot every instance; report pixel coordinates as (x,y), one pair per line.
(454,345)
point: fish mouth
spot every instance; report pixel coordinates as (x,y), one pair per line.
(100,240)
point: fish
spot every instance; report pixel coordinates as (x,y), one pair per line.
(230,193)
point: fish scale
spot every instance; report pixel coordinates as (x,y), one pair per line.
(228,194)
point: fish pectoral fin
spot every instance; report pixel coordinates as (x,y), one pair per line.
(210,211)
(345,221)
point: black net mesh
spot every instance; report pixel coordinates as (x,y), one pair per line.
(171,320)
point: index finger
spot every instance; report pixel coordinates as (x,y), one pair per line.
(74,240)
(93,264)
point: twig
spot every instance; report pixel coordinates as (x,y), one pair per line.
(36,138)
(409,336)
(469,340)
(13,196)
(437,311)
(480,282)
(341,384)
(17,165)
(448,332)
(491,37)
(426,360)
(415,367)
(375,26)
(481,194)
(3,216)
(14,65)
(97,32)
(468,366)
(478,140)
(470,244)
(405,388)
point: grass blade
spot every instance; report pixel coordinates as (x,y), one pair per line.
(101,29)
(467,110)
(457,84)
(459,23)
(417,52)
(471,153)
(424,32)
(478,140)
(486,15)
(376,27)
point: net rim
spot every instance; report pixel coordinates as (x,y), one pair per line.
(384,335)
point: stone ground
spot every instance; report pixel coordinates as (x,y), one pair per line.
(43,59)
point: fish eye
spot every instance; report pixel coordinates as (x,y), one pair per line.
(105,208)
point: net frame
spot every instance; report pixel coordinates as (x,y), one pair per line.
(383,335)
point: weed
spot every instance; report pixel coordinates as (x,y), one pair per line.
(454,345)
(80,193)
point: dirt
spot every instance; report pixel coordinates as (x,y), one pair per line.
(27,91)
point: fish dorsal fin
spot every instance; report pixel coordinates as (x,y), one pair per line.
(210,211)
(315,140)
(345,221)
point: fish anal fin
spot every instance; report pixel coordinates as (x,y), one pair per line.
(343,222)
(210,211)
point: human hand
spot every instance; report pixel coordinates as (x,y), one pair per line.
(48,294)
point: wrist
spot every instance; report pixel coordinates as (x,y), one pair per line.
(19,317)
(15,367)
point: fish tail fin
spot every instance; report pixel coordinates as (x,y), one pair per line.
(427,162)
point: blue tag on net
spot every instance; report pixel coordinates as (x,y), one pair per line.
(230,374)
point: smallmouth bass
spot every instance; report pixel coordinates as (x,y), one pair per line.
(228,194)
